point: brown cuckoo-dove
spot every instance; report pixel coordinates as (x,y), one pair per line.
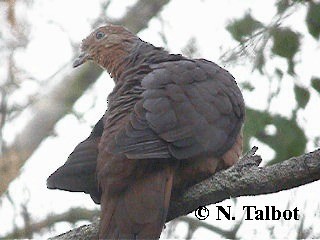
(171,122)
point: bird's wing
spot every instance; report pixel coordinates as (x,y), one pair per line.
(78,172)
(188,108)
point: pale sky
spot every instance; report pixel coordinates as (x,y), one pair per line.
(49,50)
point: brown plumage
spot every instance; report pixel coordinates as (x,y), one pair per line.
(171,122)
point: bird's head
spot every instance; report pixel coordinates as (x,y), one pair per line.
(105,43)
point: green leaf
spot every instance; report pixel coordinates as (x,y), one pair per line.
(313,19)
(302,96)
(315,83)
(259,61)
(291,67)
(282,5)
(279,73)
(286,42)
(244,27)
(288,141)
(247,85)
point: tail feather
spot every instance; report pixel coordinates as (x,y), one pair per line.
(139,212)
(78,172)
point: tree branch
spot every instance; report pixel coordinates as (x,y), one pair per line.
(73,215)
(247,179)
(59,101)
(243,179)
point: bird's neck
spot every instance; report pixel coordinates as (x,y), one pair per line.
(132,54)
(115,60)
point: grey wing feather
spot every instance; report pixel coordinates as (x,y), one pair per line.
(188,108)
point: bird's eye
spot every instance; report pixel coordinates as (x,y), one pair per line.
(100,35)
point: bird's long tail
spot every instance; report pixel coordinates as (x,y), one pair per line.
(140,211)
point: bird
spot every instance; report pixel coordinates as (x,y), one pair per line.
(171,122)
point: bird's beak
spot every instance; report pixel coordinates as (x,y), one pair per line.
(83,57)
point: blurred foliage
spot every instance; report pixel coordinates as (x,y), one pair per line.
(315,83)
(283,5)
(286,44)
(288,139)
(313,19)
(244,27)
(302,96)
(260,43)
(247,86)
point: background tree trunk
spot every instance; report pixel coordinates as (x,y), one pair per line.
(58,101)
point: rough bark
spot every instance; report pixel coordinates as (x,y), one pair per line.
(59,101)
(245,178)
